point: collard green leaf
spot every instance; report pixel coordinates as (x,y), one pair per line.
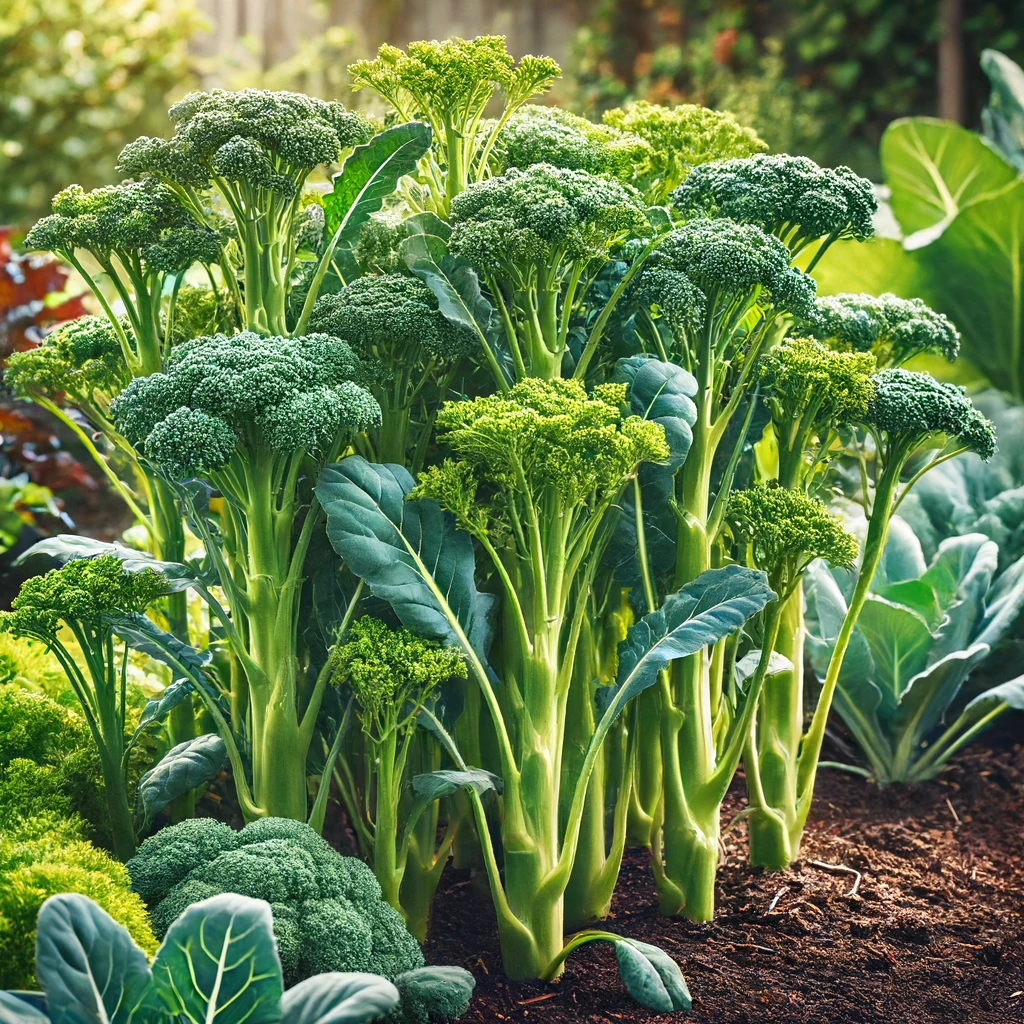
(410,553)
(336,998)
(157,710)
(218,963)
(900,643)
(144,635)
(661,392)
(435,993)
(1003,118)
(14,1010)
(435,785)
(930,693)
(652,977)
(182,768)
(89,966)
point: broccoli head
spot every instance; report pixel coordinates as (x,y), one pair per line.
(82,592)
(786,530)
(247,140)
(681,138)
(790,197)
(549,135)
(893,329)
(222,392)
(328,911)
(909,408)
(392,673)
(140,222)
(529,223)
(81,359)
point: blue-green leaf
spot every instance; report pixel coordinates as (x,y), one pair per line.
(336,998)
(14,1010)
(157,710)
(89,966)
(435,993)
(144,635)
(410,553)
(182,768)
(930,693)
(435,785)
(218,962)
(661,392)
(652,977)
(900,643)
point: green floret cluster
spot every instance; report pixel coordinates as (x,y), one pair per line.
(392,318)
(222,391)
(328,911)
(551,434)
(143,220)
(82,358)
(82,591)
(788,196)
(257,138)
(786,530)
(540,217)
(910,407)
(550,135)
(893,329)
(681,138)
(390,668)
(199,311)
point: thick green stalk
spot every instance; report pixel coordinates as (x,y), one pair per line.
(385,819)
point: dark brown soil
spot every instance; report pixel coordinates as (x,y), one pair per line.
(935,933)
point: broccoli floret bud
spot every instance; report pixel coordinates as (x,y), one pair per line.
(310,224)
(377,250)
(432,994)
(143,218)
(391,318)
(786,530)
(81,591)
(910,407)
(549,135)
(188,442)
(893,329)
(522,218)
(788,196)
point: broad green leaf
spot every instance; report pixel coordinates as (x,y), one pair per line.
(158,709)
(144,635)
(1003,118)
(876,266)
(436,785)
(652,977)
(961,575)
(336,998)
(902,557)
(661,392)
(427,223)
(89,966)
(435,993)
(778,664)
(1003,605)
(410,553)
(900,642)
(14,1010)
(218,963)
(1010,693)
(182,768)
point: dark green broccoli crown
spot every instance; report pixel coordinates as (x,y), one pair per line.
(387,667)
(911,407)
(451,80)
(84,590)
(285,394)
(256,137)
(893,329)
(142,218)
(727,260)
(788,196)
(392,318)
(786,530)
(328,911)
(802,373)
(552,432)
(522,219)
(549,135)
(81,357)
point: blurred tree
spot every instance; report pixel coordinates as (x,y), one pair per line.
(820,77)
(80,78)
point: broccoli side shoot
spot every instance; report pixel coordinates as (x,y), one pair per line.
(790,197)
(893,329)
(449,84)
(681,138)
(393,321)
(783,531)
(534,235)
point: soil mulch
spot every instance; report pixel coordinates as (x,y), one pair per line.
(934,933)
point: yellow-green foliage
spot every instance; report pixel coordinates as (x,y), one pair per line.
(30,665)
(39,860)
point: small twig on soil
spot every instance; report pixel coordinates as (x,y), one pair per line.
(754,945)
(952,810)
(842,868)
(537,999)
(778,896)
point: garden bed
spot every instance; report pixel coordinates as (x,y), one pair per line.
(935,932)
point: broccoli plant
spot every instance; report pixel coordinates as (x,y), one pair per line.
(449,85)
(790,197)
(88,598)
(680,138)
(393,320)
(256,417)
(392,675)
